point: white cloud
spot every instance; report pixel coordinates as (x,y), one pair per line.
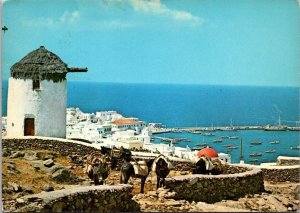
(156,7)
(66,18)
(113,24)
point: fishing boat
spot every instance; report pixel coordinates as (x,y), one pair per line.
(255,154)
(228,145)
(207,134)
(218,140)
(232,147)
(255,143)
(295,147)
(279,127)
(274,142)
(233,137)
(270,151)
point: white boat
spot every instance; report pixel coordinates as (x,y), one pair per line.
(279,127)
(228,145)
(295,147)
(270,151)
(233,137)
(207,134)
(274,142)
(255,143)
(218,140)
(255,154)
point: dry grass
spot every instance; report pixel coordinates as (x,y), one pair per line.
(28,176)
(36,180)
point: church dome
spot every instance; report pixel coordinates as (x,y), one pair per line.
(40,64)
(207,152)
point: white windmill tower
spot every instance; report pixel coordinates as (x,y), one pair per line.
(37,91)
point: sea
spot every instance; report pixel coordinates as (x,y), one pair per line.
(179,105)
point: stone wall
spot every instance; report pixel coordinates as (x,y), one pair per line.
(62,146)
(288,161)
(213,188)
(81,199)
(282,173)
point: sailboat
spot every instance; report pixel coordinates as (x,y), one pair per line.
(231,128)
(279,127)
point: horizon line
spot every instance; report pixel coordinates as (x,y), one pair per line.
(183,84)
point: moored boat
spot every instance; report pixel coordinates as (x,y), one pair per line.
(207,134)
(255,143)
(232,147)
(228,145)
(218,140)
(274,142)
(255,154)
(270,151)
(295,147)
(253,160)
(233,137)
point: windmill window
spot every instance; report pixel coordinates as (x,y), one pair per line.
(36,85)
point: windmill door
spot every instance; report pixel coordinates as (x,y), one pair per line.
(29,126)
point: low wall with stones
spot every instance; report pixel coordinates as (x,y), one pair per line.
(213,188)
(288,161)
(62,146)
(116,198)
(281,173)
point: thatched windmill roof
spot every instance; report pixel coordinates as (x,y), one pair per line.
(40,64)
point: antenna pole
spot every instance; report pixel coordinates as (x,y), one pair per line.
(241,151)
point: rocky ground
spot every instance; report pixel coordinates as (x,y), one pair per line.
(27,172)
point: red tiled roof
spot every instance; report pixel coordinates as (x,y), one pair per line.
(125,121)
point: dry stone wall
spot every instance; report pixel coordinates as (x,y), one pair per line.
(282,173)
(288,161)
(64,147)
(213,188)
(81,199)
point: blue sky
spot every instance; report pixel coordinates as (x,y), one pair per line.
(216,42)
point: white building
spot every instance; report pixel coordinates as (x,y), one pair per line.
(37,95)
(225,158)
(108,116)
(128,124)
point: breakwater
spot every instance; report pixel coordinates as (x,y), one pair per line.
(224,128)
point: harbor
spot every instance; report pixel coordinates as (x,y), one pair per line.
(200,130)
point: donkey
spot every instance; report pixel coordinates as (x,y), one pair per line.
(161,167)
(128,170)
(98,167)
(203,166)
